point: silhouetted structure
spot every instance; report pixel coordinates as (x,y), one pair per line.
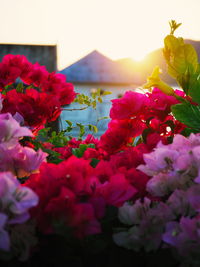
(43,54)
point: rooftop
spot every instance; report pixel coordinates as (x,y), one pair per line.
(97,68)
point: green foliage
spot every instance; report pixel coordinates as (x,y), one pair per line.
(78,152)
(94,162)
(182,61)
(20,88)
(173,25)
(81,129)
(93,128)
(88,101)
(194,87)
(188,114)
(57,139)
(183,65)
(96,97)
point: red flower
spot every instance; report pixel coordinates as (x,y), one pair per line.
(36,76)
(8,74)
(119,133)
(20,62)
(14,66)
(116,191)
(75,193)
(159,104)
(130,105)
(36,108)
(56,84)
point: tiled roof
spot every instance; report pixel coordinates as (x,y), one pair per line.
(97,68)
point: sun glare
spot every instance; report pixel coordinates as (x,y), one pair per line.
(129,28)
(139,57)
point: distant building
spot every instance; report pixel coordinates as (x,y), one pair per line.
(98,71)
(43,54)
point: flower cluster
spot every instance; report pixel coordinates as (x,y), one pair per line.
(16,200)
(30,103)
(175,166)
(79,196)
(135,114)
(174,219)
(14,157)
(144,167)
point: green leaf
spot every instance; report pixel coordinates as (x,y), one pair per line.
(69,129)
(29,87)
(53,156)
(81,129)
(172,43)
(94,162)
(100,99)
(99,92)
(69,123)
(187,114)
(187,131)
(53,134)
(173,26)
(182,60)
(43,134)
(194,88)
(20,88)
(94,95)
(106,93)
(94,104)
(9,86)
(78,152)
(94,128)
(145,134)
(91,145)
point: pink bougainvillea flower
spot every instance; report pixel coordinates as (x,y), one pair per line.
(21,161)
(16,199)
(10,130)
(27,161)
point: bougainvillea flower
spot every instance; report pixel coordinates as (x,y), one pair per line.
(32,106)
(130,105)
(10,130)
(16,199)
(4,236)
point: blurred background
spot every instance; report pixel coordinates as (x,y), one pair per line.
(107,44)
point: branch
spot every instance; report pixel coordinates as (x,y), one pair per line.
(72,109)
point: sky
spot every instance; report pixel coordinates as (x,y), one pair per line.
(116,28)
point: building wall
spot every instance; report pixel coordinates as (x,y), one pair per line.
(89,116)
(43,54)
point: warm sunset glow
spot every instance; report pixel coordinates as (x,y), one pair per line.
(138,57)
(116,28)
